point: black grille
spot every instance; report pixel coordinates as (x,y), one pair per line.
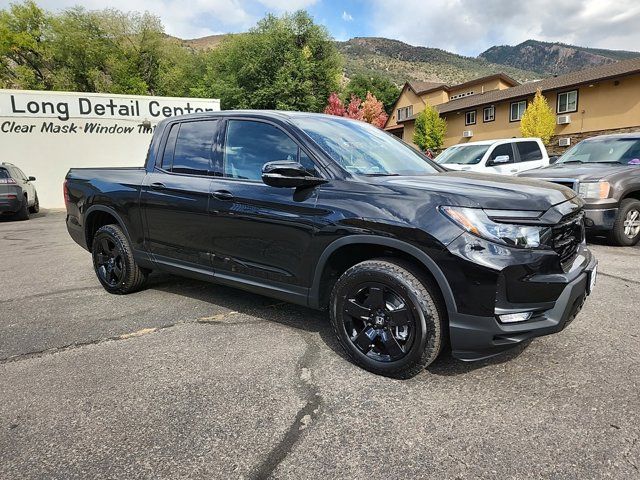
(571,185)
(567,235)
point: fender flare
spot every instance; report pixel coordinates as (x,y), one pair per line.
(110,211)
(423,258)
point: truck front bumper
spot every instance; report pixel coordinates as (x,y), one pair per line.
(600,218)
(553,298)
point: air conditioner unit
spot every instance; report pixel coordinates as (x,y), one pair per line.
(564,119)
(467,134)
(564,142)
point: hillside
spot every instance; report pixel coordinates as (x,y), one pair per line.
(401,62)
(547,58)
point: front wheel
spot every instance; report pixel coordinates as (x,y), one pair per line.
(387,319)
(35,208)
(626,229)
(113,261)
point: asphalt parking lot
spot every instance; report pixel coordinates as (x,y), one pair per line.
(191,380)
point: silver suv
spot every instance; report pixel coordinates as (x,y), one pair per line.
(18,196)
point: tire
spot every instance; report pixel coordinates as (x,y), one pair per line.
(35,208)
(113,261)
(624,234)
(23,213)
(366,326)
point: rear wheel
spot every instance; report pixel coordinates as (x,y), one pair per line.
(23,213)
(626,229)
(35,208)
(387,319)
(113,261)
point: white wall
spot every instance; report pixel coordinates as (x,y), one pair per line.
(46,133)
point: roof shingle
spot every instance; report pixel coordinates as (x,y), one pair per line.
(595,74)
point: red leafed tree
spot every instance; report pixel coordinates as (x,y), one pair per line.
(370,111)
(354,109)
(373,111)
(335,106)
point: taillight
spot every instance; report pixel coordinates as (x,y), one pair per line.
(65,192)
(6,181)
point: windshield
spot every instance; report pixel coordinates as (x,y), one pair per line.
(607,150)
(463,154)
(363,149)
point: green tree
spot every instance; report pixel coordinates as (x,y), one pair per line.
(381,88)
(538,119)
(286,63)
(94,51)
(24,59)
(430,129)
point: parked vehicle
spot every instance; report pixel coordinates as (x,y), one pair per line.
(18,196)
(605,171)
(506,156)
(334,213)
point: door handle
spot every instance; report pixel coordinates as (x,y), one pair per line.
(222,195)
(158,186)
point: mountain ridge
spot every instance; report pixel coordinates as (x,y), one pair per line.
(400,62)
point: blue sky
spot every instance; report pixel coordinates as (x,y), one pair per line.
(467,27)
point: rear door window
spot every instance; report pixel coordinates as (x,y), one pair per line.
(250,144)
(194,151)
(529,151)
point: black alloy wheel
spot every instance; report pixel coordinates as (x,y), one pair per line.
(378,322)
(113,261)
(388,316)
(109,262)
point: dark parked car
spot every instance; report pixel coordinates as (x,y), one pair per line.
(605,171)
(18,196)
(336,214)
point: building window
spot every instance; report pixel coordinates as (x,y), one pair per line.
(517,110)
(489,114)
(405,112)
(567,102)
(470,117)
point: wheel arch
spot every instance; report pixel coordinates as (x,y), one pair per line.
(318,294)
(631,193)
(97,216)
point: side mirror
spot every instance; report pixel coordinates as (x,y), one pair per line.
(32,179)
(553,159)
(500,159)
(288,174)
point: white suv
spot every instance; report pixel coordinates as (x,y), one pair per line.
(506,156)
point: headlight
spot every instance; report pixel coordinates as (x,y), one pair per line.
(476,221)
(594,189)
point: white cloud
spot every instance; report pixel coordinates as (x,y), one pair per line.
(192,19)
(287,5)
(469,26)
(347,17)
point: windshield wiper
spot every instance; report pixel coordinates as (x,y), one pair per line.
(570,161)
(382,174)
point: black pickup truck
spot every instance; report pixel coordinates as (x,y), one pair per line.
(336,214)
(605,172)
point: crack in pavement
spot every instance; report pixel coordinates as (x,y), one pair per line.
(310,392)
(618,278)
(123,336)
(51,294)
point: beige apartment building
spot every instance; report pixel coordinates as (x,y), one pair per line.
(604,99)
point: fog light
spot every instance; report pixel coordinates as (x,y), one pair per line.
(515,317)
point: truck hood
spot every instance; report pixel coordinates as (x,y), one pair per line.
(582,172)
(470,189)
